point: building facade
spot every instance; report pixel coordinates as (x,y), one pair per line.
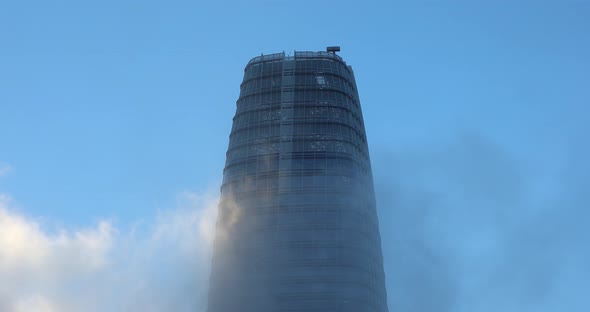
(297,228)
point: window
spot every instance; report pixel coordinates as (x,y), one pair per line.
(320,80)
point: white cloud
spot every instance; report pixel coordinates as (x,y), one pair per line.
(24,246)
(4,169)
(37,303)
(158,266)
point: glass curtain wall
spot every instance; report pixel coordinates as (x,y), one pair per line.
(297,227)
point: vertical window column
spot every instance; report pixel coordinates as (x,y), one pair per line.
(286,124)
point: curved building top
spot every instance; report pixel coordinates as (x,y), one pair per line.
(298,54)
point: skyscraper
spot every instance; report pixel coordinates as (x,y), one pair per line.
(297,228)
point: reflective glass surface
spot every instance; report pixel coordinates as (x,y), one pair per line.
(297,227)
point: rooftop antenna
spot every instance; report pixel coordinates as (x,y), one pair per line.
(333,49)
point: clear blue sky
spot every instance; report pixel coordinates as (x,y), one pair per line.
(476,113)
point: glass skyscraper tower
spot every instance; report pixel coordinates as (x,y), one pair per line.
(297,228)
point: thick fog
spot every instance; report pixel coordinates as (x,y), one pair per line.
(465,226)
(159,264)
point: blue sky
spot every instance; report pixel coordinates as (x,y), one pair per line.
(476,114)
